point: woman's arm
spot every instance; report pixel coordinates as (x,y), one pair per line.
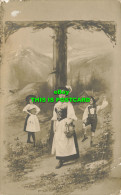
(54,119)
(54,126)
(70,114)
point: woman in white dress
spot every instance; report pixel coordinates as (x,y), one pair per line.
(90,117)
(63,147)
(31,123)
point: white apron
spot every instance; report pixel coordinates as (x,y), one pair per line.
(33,124)
(62,146)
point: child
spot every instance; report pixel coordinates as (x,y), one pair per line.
(31,122)
(90,117)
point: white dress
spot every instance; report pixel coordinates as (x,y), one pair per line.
(63,146)
(32,123)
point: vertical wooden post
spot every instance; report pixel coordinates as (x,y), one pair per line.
(1,31)
(60,56)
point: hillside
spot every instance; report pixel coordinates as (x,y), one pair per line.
(29,73)
(100,65)
(15,117)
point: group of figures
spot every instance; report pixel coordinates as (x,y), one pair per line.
(64,146)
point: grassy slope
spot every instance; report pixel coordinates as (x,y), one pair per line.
(92,166)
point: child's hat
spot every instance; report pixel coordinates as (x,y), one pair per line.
(29,97)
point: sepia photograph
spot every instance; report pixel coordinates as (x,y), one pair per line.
(60,97)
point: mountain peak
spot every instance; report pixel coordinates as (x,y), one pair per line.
(28,66)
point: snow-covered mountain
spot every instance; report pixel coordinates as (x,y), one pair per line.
(27,66)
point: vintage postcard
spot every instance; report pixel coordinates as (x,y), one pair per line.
(60,97)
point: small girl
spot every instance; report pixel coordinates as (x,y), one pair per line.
(31,122)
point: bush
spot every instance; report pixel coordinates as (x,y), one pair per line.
(20,157)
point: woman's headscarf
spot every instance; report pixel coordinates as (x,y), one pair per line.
(66,88)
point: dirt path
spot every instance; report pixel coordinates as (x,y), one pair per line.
(43,166)
(42,175)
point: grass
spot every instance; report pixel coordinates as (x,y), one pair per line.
(93,166)
(21,157)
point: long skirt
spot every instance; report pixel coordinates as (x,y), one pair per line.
(31,124)
(64,148)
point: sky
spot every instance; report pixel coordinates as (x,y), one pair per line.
(35,10)
(85,42)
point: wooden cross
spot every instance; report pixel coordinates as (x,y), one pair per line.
(60,39)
